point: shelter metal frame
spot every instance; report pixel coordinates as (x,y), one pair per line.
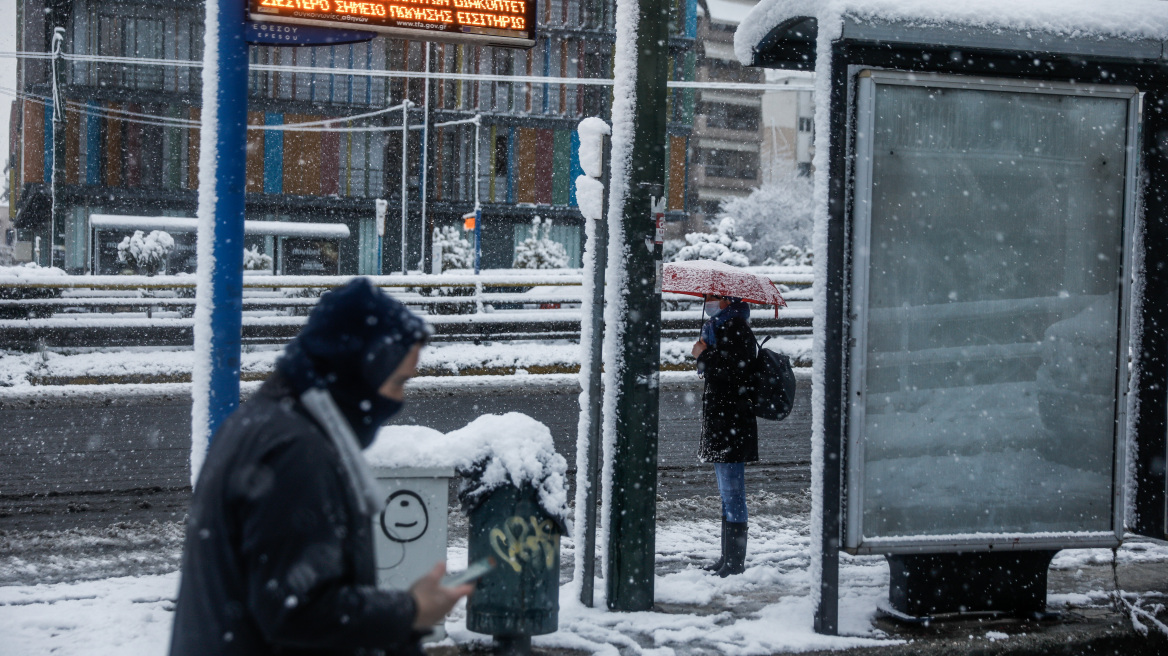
(1150,341)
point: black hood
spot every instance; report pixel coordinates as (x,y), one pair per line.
(356,336)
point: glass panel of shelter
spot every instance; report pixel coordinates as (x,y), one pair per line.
(994,275)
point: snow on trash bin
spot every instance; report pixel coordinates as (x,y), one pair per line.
(513,490)
(490,452)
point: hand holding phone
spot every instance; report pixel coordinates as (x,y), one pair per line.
(471,574)
(434,595)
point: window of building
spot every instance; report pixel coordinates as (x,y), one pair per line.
(806,124)
(499,184)
(363,164)
(725,116)
(501,154)
(737,164)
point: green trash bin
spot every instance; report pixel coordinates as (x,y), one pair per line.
(519,598)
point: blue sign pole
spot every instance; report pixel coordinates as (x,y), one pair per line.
(219,295)
(230,180)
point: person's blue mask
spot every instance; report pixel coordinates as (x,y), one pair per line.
(713,308)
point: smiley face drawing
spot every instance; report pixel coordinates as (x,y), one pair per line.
(404,517)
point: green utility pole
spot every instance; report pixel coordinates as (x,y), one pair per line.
(633,513)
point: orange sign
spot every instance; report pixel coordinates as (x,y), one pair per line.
(468,221)
(509,23)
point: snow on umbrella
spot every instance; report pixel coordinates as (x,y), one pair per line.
(701,277)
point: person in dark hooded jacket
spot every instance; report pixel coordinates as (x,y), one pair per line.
(279,548)
(726,353)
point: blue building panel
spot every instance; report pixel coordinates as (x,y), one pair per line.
(93,144)
(574,168)
(273,155)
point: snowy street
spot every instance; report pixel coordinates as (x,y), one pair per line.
(100,592)
(103,441)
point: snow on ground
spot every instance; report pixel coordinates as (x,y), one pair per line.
(30,270)
(126,616)
(766,610)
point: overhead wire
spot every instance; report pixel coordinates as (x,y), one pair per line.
(172,122)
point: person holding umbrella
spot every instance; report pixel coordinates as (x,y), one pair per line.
(726,354)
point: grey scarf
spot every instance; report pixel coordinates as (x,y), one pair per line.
(366,490)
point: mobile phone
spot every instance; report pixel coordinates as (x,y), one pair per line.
(469,575)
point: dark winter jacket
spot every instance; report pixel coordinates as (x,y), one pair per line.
(278,560)
(729,427)
(279,552)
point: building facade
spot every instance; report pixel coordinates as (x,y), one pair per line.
(131,142)
(741,138)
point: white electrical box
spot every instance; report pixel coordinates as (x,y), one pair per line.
(410,531)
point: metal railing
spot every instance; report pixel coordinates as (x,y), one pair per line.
(111,311)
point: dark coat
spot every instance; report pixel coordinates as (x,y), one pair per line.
(729,427)
(278,559)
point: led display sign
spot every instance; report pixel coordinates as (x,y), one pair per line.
(507,23)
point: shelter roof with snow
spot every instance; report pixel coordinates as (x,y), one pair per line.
(784,33)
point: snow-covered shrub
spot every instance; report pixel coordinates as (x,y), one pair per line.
(775,215)
(254,260)
(539,250)
(723,245)
(791,255)
(146,253)
(457,251)
(670,247)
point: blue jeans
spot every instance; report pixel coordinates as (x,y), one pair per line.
(732,487)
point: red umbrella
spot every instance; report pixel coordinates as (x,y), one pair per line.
(701,277)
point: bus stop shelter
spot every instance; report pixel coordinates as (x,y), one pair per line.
(991,286)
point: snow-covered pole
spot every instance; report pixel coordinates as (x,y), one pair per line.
(435,253)
(405,133)
(633,339)
(425,157)
(478,245)
(57,211)
(590,198)
(222,168)
(381,210)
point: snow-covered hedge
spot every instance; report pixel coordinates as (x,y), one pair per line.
(775,218)
(30,270)
(723,245)
(146,253)
(457,251)
(539,250)
(254,260)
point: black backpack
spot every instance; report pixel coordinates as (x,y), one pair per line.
(774,384)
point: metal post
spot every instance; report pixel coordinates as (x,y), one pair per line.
(478,236)
(827,466)
(405,133)
(380,210)
(222,162)
(58,218)
(595,430)
(633,509)
(425,156)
